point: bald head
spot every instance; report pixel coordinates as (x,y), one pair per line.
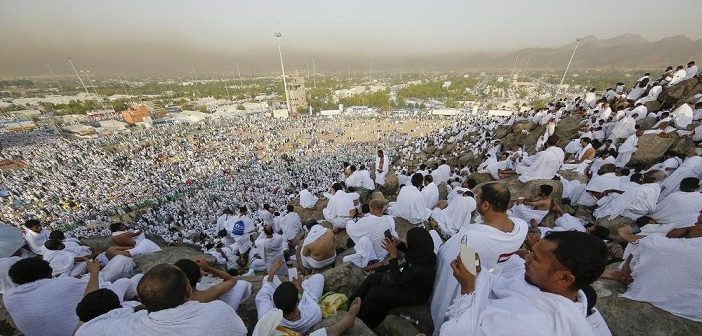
(164,286)
(497,195)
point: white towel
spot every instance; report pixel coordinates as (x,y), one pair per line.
(667,275)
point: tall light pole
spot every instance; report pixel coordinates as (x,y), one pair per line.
(282,68)
(76,72)
(577,43)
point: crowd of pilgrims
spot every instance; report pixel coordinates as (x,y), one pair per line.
(486,263)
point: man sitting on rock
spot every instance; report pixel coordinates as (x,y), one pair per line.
(129,243)
(231,290)
(368,234)
(533,210)
(65,263)
(317,249)
(35,235)
(430,192)
(307,199)
(338,210)
(544,164)
(410,204)
(299,314)
(166,291)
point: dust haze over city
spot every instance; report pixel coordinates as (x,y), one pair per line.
(254,167)
(169,36)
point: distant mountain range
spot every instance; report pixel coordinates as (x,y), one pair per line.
(624,51)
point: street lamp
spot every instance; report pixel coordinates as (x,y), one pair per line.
(282,68)
(577,43)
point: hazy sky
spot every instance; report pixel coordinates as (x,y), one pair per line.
(35,32)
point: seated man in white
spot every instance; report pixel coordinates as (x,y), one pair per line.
(368,234)
(430,192)
(496,238)
(14,249)
(678,76)
(317,248)
(410,204)
(129,243)
(635,202)
(299,314)
(66,263)
(544,298)
(690,167)
(545,164)
(338,210)
(307,199)
(43,305)
(291,225)
(584,157)
(678,206)
(166,291)
(230,290)
(457,213)
(533,210)
(35,235)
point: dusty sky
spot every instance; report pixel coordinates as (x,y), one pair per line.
(127,36)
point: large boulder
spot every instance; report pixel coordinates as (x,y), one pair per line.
(529,189)
(443,191)
(168,255)
(652,147)
(532,138)
(680,92)
(481,177)
(513,140)
(394,325)
(448,149)
(627,317)
(653,106)
(614,224)
(568,127)
(646,123)
(343,279)
(418,317)
(430,150)
(391,183)
(502,131)
(402,226)
(359,328)
(522,126)
(681,147)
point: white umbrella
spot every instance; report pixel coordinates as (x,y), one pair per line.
(10,240)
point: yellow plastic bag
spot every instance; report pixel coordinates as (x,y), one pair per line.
(331,303)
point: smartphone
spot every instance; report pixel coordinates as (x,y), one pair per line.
(467,254)
(292,274)
(388,234)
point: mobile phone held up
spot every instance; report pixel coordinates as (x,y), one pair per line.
(467,254)
(388,234)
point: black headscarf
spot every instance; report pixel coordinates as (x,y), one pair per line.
(420,247)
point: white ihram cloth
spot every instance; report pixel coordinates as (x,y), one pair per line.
(364,253)
(310,313)
(691,167)
(372,227)
(273,250)
(633,203)
(36,241)
(511,306)
(456,215)
(668,274)
(682,116)
(626,150)
(307,200)
(652,95)
(623,128)
(315,232)
(582,166)
(445,171)
(291,225)
(598,324)
(527,213)
(431,195)
(141,244)
(545,165)
(191,318)
(569,222)
(678,207)
(410,205)
(495,249)
(380,176)
(234,296)
(46,306)
(338,208)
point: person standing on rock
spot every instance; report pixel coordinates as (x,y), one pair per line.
(382,165)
